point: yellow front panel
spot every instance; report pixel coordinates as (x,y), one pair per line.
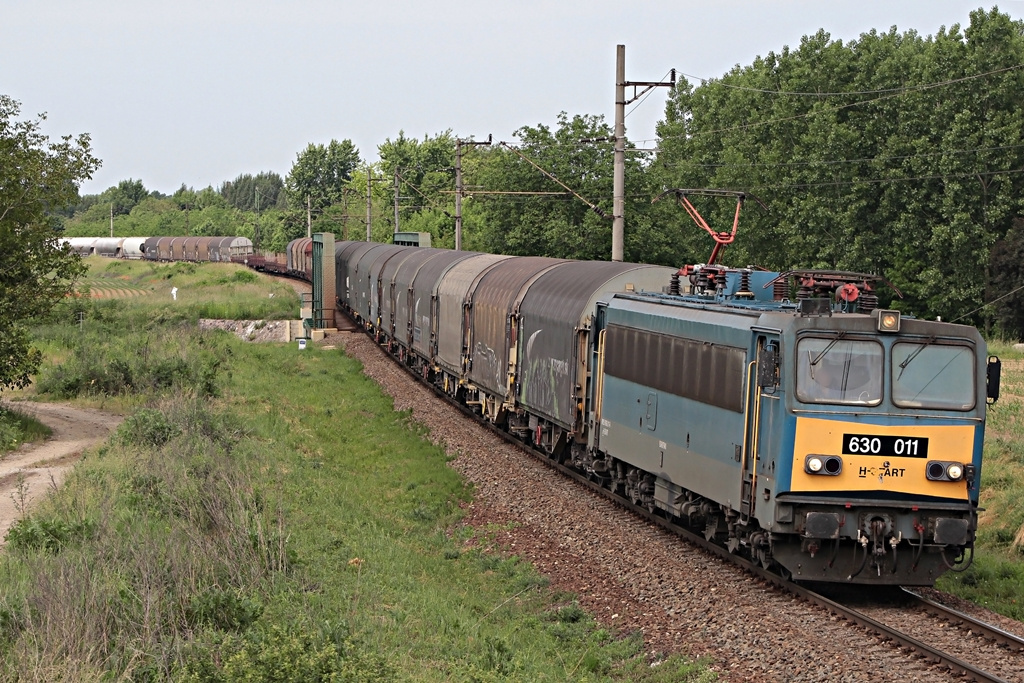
(880,473)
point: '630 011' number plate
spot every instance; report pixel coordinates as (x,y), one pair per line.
(889,446)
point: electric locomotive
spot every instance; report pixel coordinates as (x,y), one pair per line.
(824,436)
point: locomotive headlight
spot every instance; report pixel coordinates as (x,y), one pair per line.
(888,321)
(830,465)
(955,471)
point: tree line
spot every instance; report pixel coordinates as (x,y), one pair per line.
(894,153)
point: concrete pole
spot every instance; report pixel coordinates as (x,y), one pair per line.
(619,175)
(369,181)
(396,200)
(458,195)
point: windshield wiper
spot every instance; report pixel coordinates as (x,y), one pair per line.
(912,356)
(817,359)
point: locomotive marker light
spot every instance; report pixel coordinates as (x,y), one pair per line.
(888,321)
(938,470)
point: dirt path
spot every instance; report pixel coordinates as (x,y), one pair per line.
(27,474)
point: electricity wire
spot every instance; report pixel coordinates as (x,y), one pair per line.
(833,162)
(645,96)
(986,305)
(912,88)
(833,109)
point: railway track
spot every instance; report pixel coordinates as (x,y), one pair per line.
(897,642)
(936,655)
(952,616)
(895,635)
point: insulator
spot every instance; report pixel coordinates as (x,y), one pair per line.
(673,287)
(701,285)
(867,302)
(780,290)
(744,291)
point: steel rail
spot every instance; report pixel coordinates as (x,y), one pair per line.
(956,617)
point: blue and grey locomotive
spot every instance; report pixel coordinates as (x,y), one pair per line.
(835,440)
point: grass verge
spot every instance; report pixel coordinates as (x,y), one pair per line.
(265,514)
(995,577)
(17,428)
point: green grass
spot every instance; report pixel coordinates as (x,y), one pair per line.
(995,578)
(204,290)
(17,428)
(266,513)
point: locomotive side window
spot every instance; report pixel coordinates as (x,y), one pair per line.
(839,371)
(938,376)
(709,373)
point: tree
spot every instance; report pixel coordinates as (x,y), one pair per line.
(426,177)
(124,196)
(554,222)
(892,153)
(1007,282)
(37,178)
(321,173)
(253,193)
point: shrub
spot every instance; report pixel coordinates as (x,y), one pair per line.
(32,533)
(137,364)
(284,654)
(147,427)
(223,610)
(244,277)
(12,621)
(10,435)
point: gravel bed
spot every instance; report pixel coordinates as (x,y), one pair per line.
(632,575)
(249,330)
(957,640)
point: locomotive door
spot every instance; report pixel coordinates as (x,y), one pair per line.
(762,419)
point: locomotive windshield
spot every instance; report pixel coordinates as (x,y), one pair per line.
(839,371)
(926,375)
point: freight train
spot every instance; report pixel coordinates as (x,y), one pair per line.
(816,434)
(784,415)
(220,248)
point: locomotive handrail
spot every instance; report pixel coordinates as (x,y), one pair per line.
(747,417)
(754,443)
(599,388)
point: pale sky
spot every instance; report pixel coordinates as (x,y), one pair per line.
(199,92)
